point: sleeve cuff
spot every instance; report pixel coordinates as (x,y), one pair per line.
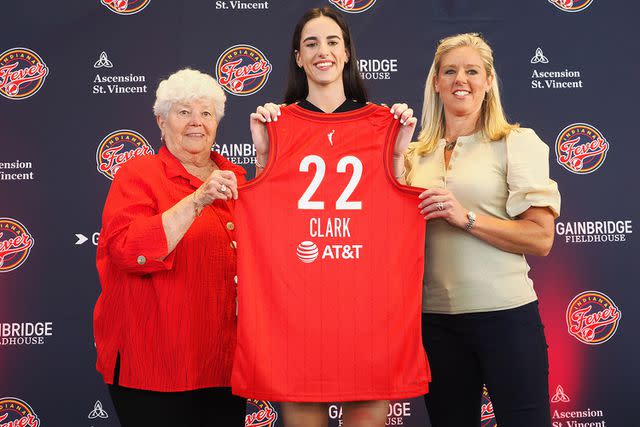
(145,248)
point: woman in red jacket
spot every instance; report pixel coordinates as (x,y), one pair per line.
(165,322)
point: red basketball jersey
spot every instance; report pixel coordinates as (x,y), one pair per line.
(330,263)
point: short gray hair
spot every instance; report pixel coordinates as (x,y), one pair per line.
(187,85)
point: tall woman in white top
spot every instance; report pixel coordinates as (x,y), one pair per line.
(489,202)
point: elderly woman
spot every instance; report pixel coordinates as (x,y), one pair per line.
(489,202)
(165,322)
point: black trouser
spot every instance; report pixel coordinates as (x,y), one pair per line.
(506,350)
(206,407)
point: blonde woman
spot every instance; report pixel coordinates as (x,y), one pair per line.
(489,203)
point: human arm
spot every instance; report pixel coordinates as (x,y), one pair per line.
(526,224)
(134,232)
(408,123)
(257,123)
(177,219)
(531,233)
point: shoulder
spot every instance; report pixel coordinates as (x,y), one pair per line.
(524,147)
(523,136)
(379,113)
(139,168)
(378,107)
(289,107)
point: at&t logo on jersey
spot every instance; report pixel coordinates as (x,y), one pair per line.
(331,228)
(17,412)
(125,7)
(15,244)
(581,148)
(242,70)
(592,317)
(307,252)
(260,413)
(571,5)
(22,73)
(353,6)
(117,148)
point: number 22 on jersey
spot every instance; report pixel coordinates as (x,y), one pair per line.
(343,202)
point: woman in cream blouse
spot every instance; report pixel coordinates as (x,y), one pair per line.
(489,203)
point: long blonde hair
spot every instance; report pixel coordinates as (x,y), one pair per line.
(493,122)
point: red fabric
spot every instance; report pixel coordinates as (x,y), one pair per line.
(332,329)
(172,321)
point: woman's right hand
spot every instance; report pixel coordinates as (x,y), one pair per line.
(220,184)
(268,112)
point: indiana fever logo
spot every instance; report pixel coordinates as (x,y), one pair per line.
(125,7)
(119,147)
(260,413)
(15,244)
(22,73)
(353,6)
(571,5)
(242,70)
(17,413)
(592,317)
(487,417)
(581,148)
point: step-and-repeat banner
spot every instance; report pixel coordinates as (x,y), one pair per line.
(78,80)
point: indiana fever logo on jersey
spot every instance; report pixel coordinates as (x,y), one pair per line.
(15,244)
(353,6)
(242,70)
(487,417)
(571,5)
(119,147)
(592,317)
(260,413)
(125,7)
(22,73)
(17,412)
(581,148)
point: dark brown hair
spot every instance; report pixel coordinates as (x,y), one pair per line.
(297,87)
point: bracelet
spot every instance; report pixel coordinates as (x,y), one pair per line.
(471,217)
(258,164)
(404,169)
(197,208)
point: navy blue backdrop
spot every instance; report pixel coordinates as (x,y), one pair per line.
(77,81)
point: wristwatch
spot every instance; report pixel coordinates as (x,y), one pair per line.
(471,216)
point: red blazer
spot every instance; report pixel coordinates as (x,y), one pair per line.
(173,322)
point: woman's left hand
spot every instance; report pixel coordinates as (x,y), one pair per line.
(440,203)
(403,113)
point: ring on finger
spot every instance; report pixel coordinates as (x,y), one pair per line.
(440,206)
(223,188)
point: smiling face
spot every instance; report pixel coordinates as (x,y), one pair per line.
(189,129)
(322,52)
(462,82)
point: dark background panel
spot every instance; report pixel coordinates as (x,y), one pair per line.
(60,127)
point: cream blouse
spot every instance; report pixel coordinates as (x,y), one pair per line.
(504,178)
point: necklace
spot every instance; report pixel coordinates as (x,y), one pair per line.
(450,145)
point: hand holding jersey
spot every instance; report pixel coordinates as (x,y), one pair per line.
(270,112)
